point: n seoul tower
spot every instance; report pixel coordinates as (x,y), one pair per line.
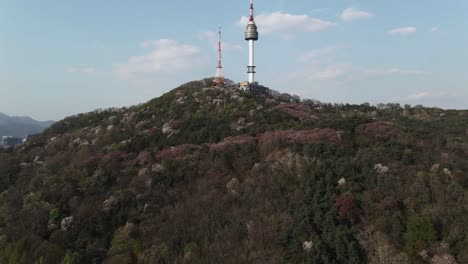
(251,35)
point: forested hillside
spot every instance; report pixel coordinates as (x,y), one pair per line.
(208,175)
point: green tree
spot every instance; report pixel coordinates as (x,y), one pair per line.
(420,234)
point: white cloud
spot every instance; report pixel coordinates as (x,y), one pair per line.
(166,56)
(325,65)
(227,46)
(351,14)
(207,35)
(322,64)
(420,96)
(286,24)
(392,71)
(318,54)
(320,71)
(403,31)
(417,96)
(434,29)
(82,70)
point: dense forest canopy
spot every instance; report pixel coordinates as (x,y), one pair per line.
(209,175)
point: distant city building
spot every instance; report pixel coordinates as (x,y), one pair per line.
(11,142)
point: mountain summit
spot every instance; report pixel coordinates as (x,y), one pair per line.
(212,175)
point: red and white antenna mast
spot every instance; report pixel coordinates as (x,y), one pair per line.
(219,79)
(251,18)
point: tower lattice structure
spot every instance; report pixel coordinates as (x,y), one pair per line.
(219,80)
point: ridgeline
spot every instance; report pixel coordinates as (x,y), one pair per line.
(209,175)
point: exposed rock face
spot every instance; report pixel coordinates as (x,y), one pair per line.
(166,129)
(80,142)
(447,172)
(37,160)
(181,100)
(157,168)
(381,169)
(307,245)
(67,223)
(217,102)
(109,203)
(96,130)
(242,123)
(233,186)
(342,182)
(443,259)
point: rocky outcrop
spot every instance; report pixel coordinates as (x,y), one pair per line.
(67,223)
(381,169)
(157,167)
(233,186)
(166,129)
(307,245)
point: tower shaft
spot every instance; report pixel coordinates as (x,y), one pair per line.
(251,67)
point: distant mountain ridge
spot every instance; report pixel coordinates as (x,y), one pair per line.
(19,126)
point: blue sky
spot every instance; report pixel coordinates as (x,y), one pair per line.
(59,58)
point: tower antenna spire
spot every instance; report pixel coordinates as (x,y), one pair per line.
(251,11)
(219,79)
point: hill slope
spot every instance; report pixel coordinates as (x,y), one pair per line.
(202,175)
(21,126)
